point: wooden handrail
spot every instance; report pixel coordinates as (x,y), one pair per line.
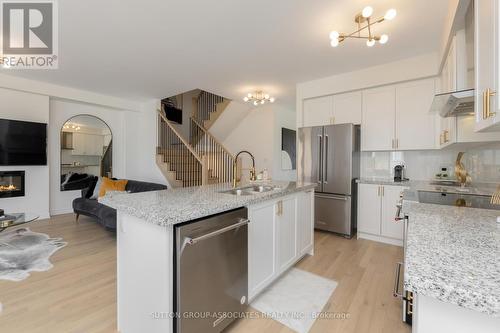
(207,133)
(184,142)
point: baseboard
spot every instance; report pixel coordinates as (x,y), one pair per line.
(61,211)
(380,239)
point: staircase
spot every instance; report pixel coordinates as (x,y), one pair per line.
(198,161)
(209,107)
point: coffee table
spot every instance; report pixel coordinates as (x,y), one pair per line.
(16,219)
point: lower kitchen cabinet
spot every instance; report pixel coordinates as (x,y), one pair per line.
(261,246)
(376,212)
(305,229)
(280,233)
(286,223)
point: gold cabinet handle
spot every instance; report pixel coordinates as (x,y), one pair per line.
(484,105)
(487,103)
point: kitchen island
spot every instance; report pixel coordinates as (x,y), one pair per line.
(280,233)
(452,266)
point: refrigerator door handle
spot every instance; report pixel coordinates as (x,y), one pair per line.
(331,197)
(320,164)
(325,171)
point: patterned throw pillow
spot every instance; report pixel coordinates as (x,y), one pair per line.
(112,185)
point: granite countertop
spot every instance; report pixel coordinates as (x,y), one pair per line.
(453,255)
(179,205)
(485,189)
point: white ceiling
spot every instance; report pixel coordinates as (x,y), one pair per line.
(157,48)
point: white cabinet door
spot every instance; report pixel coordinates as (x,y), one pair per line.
(261,246)
(378,119)
(78,144)
(390,197)
(317,111)
(305,221)
(486,63)
(347,108)
(286,232)
(415,125)
(369,208)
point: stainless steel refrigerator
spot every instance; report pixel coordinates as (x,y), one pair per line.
(329,156)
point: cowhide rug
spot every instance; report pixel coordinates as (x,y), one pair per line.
(23,251)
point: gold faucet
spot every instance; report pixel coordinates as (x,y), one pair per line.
(462,176)
(235,167)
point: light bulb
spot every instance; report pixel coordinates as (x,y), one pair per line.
(255,103)
(334,35)
(370,42)
(391,13)
(266,96)
(367,12)
(245,99)
(334,42)
(383,39)
(271,100)
(249,95)
(262,102)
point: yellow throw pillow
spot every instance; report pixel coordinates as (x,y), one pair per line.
(112,185)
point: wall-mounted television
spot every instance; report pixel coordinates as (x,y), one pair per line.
(22,143)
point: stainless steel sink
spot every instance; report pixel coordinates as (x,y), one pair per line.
(259,188)
(237,191)
(250,190)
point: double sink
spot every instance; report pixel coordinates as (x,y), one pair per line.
(250,190)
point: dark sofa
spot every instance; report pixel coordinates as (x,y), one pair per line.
(106,215)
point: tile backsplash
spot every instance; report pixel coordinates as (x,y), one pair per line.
(482,163)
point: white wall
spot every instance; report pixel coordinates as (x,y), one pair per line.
(140,143)
(23,106)
(260,133)
(60,112)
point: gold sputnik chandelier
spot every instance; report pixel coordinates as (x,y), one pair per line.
(365,22)
(258,97)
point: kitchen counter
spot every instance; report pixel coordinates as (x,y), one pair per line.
(172,206)
(453,255)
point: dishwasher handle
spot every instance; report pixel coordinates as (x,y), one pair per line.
(192,241)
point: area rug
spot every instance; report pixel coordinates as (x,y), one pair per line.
(296,299)
(23,251)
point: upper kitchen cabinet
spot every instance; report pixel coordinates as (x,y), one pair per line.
(347,108)
(397,117)
(487,64)
(415,126)
(317,111)
(379,113)
(334,109)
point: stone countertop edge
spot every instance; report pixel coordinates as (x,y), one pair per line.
(453,255)
(172,206)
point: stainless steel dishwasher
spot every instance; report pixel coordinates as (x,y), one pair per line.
(211,272)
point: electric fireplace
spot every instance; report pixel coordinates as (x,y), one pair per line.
(11,184)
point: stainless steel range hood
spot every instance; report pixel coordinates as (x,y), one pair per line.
(452,104)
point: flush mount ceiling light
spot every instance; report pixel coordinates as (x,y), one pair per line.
(72,126)
(258,97)
(364,22)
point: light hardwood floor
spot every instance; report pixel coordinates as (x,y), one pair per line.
(79,293)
